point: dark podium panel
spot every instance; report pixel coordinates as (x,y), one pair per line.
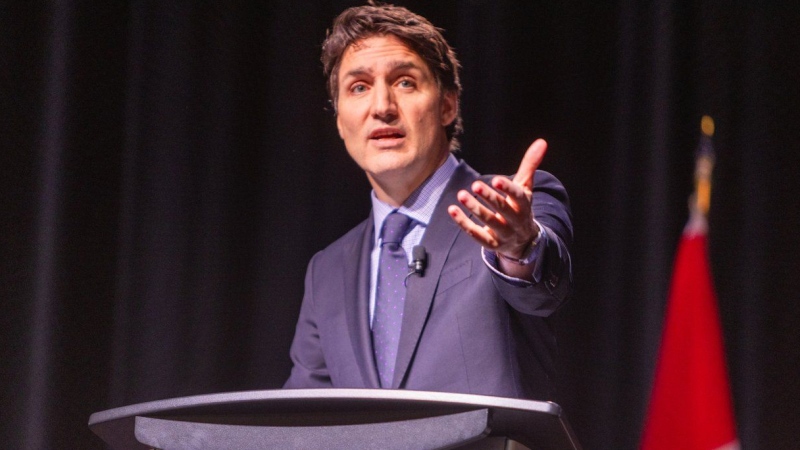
(334,418)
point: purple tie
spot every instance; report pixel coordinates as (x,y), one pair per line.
(390,296)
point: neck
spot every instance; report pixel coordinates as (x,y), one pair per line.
(391,194)
(395,189)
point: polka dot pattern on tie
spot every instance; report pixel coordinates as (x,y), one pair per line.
(391,295)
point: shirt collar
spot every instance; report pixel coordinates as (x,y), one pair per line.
(422,202)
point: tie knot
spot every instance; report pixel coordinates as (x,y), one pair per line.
(394,228)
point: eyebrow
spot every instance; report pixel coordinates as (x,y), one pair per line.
(393,66)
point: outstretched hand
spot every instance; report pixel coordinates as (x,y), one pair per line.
(504,208)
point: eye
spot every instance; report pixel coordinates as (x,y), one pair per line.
(406,83)
(358,88)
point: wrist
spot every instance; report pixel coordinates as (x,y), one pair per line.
(528,253)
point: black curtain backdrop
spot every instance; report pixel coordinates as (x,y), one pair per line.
(168,169)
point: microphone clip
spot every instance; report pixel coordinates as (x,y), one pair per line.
(419,260)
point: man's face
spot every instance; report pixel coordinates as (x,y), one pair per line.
(392,115)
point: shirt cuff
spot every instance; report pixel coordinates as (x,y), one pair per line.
(537,254)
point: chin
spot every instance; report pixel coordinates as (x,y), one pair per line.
(390,161)
(385,170)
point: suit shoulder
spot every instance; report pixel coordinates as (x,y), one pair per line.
(354,237)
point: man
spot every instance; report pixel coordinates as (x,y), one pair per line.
(474,320)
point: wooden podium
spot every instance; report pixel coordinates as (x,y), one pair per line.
(335,419)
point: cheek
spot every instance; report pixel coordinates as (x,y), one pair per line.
(346,125)
(429,120)
(339,126)
(351,116)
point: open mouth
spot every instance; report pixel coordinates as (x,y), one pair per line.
(387,134)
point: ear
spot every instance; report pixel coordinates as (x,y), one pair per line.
(449,107)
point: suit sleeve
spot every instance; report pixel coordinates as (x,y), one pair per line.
(309,368)
(551,209)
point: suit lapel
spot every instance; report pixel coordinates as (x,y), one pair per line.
(356,286)
(439,237)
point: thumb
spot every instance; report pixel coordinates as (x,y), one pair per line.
(533,157)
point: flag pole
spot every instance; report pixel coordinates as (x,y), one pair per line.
(700,200)
(704,165)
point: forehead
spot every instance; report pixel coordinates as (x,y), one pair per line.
(379,52)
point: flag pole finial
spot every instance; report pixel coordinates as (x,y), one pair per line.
(704,165)
(707,126)
(700,200)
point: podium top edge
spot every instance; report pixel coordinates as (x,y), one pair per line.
(278,395)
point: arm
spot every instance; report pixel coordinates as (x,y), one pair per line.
(553,275)
(309,369)
(506,211)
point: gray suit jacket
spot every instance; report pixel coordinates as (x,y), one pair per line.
(464,330)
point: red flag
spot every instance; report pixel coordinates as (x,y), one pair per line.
(690,407)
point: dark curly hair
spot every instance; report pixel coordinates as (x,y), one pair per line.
(361,22)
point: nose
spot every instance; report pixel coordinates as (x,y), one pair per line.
(384,105)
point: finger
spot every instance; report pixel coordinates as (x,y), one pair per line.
(531,160)
(517,197)
(484,214)
(477,232)
(490,196)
